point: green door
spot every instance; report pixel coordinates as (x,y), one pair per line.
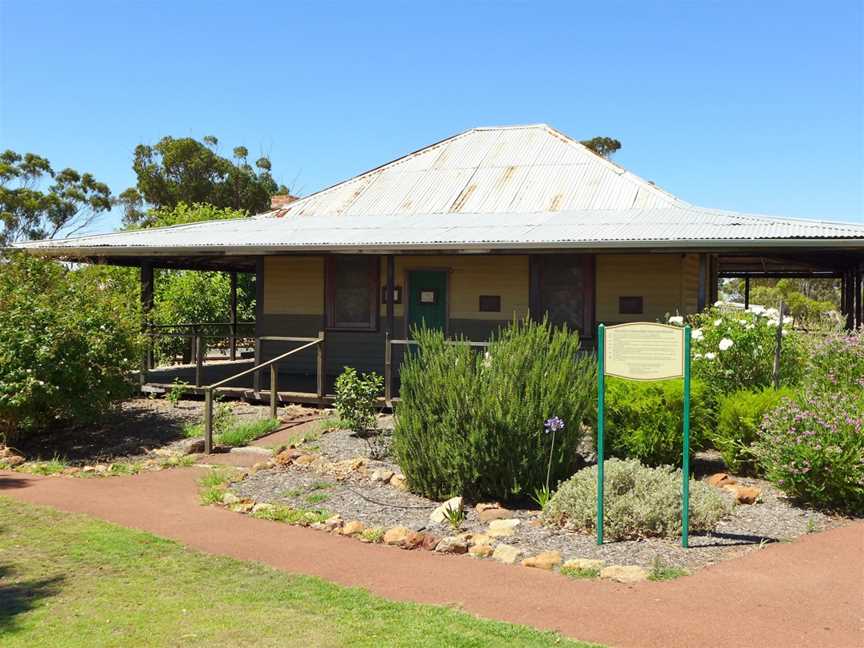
(427,299)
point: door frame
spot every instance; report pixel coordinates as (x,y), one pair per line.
(406,315)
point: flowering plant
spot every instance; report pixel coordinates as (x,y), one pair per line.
(837,363)
(812,447)
(734,349)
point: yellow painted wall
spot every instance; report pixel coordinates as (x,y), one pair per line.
(293,285)
(666,282)
(470,277)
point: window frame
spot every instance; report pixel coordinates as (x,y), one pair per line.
(373,282)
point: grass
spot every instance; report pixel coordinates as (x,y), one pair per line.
(576,572)
(660,571)
(51,467)
(317,498)
(214,483)
(374,535)
(295,516)
(68,580)
(241,434)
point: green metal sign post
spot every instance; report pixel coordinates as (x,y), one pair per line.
(648,351)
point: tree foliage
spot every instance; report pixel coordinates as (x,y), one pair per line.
(67,344)
(27,210)
(603,146)
(184,170)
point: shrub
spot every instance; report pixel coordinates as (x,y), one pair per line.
(472,423)
(355,398)
(67,345)
(837,363)
(739,417)
(639,502)
(734,350)
(812,448)
(644,420)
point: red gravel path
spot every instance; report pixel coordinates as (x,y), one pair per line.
(806,593)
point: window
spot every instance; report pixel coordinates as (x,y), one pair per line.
(490,303)
(352,292)
(631,305)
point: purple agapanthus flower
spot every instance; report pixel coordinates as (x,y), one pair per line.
(554,424)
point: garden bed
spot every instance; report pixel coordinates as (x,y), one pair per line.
(333,474)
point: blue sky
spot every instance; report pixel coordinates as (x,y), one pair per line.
(737,105)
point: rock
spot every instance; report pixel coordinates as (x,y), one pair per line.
(305,460)
(89,469)
(191,446)
(287,456)
(548,560)
(481,539)
(506,553)
(352,528)
(493,513)
(587,564)
(452,544)
(333,522)
(413,540)
(340,469)
(243,506)
(71,470)
(396,535)
(720,479)
(429,542)
(6,451)
(502,528)
(536,523)
(261,465)
(230,498)
(382,475)
(481,551)
(485,506)
(438,517)
(262,507)
(13,460)
(743,494)
(101,468)
(624,573)
(398,481)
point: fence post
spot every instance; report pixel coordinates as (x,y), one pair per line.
(256,377)
(388,377)
(208,421)
(778,347)
(199,359)
(322,365)
(273,395)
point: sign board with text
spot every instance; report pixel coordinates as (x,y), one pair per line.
(644,351)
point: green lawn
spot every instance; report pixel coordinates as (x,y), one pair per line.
(69,580)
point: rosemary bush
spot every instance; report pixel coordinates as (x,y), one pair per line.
(472,423)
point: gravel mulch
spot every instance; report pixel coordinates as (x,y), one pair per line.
(358,497)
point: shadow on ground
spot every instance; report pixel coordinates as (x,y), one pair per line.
(138,426)
(7,482)
(20,597)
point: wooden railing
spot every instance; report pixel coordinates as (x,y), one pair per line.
(388,360)
(211,390)
(197,337)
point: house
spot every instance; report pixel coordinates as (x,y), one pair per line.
(473,231)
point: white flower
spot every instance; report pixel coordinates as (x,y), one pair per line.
(756,310)
(787,320)
(742,321)
(772,322)
(487,360)
(718,303)
(696,334)
(698,356)
(676,320)
(718,322)
(710,355)
(725,344)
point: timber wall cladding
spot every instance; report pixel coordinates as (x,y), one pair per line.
(667,282)
(470,277)
(294,286)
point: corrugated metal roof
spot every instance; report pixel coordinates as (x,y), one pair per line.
(499,188)
(515,169)
(659,227)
